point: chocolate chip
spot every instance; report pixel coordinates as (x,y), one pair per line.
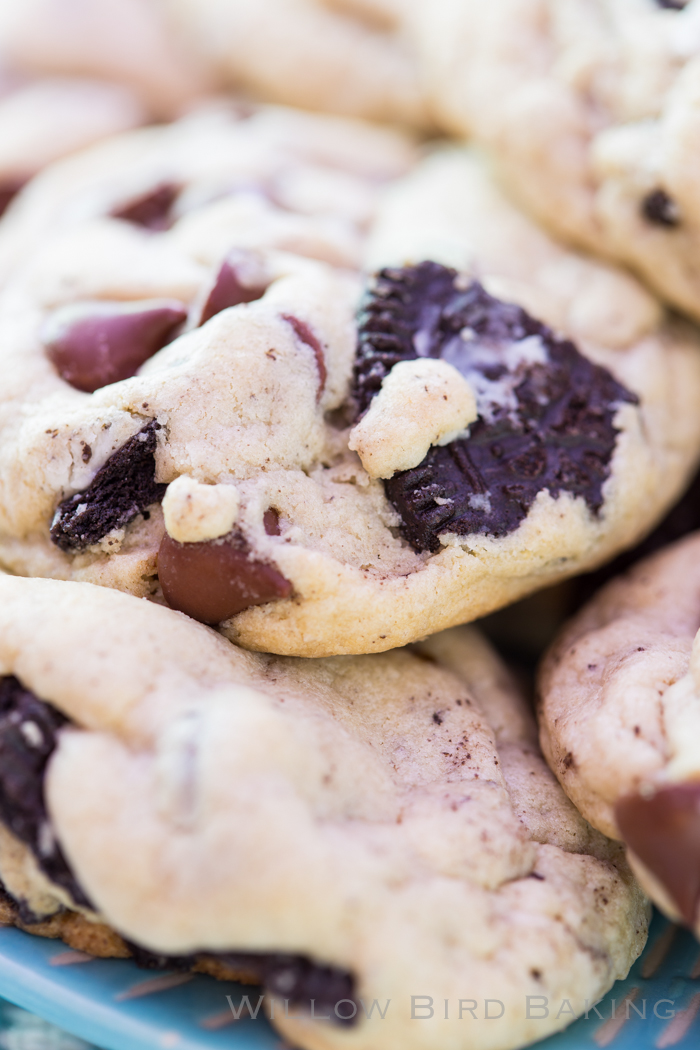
(9,188)
(545,411)
(215,580)
(28,732)
(229,289)
(663,830)
(304,333)
(150,210)
(674,5)
(271,522)
(124,487)
(661,209)
(94,344)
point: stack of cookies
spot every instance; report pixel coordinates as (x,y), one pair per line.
(287,399)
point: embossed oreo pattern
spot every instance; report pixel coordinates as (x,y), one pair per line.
(545,411)
(124,487)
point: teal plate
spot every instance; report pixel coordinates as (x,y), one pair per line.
(116,1006)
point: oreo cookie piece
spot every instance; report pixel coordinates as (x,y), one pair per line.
(124,487)
(28,730)
(545,411)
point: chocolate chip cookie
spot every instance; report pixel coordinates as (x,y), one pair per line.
(590,110)
(205,403)
(619,706)
(345,830)
(47,118)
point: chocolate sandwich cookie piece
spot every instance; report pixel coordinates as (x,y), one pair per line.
(123,488)
(357,810)
(28,738)
(545,411)
(619,700)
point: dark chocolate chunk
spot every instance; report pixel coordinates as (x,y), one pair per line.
(663,830)
(152,209)
(304,333)
(9,189)
(124,487)
(28,731)
(674,5)
(215,580)
(229,290)
(93,344)
(661,209)
(545,411)
(271,522)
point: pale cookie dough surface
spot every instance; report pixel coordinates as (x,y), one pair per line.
(125,41)
(337,58)
(619,716)
(327,559)
(591,110)
(45,119)
(387,816)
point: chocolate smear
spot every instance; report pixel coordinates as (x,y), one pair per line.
(663,830)
(305,335)
(229,289)
(661,209)
(28,732)
(545,411)
(123,488)
(94,344)
(152,209)
(215,580)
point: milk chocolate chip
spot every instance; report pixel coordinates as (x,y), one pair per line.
(229,289)
(9,189)
(663,830)
(305,335)
(661,209)
(94,344)
(545,411)
(124,487)
(215,580)
(150,210)
(28,737)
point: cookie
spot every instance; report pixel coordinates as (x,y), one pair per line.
(350,59)
(334,484)
(344,830)
(44,119)
(127,42)
(590,110)
(619,699)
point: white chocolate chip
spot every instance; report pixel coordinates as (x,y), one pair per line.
(421,403)
(194,512)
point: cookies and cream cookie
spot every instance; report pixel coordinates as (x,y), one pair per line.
(620,702)
(42,120)
(344,830)
(342,58)
(590,108)
(500,414)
